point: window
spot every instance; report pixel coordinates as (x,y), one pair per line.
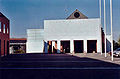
(7,47)
(0,47)
(4,47)
(76,14)
(0,26)
(7,30)
(4,28)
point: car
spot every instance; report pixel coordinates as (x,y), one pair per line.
(117,52)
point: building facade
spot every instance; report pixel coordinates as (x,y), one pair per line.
(4,35)
(76,34)
(35,40)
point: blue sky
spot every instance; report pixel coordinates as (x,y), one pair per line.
(30,14)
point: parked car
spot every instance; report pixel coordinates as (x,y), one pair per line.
(117,52)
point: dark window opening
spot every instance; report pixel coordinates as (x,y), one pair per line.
(78,46)
(7,47)
(0,47)
(91,46)
(76,15)
(65,47)
(55,47)
(4,47)
(49,46)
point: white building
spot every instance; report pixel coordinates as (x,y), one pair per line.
(76,34)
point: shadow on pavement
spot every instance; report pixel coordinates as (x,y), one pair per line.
(56,66)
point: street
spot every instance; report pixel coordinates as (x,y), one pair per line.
(58,66)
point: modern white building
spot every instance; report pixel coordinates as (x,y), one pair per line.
(76,34)
(35,41)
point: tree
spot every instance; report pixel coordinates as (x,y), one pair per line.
(119,41)
(115,45)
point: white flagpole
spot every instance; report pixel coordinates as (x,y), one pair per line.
(111,30)
(105,25)
(100,5)
(100,10)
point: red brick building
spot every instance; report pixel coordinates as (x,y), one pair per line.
(4,35)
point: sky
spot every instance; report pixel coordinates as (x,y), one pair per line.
(30,14)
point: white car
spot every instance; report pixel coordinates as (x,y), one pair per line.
(117,52)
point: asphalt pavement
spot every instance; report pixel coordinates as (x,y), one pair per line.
(58,66)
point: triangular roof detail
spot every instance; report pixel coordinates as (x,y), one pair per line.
(77,15)
(2,16)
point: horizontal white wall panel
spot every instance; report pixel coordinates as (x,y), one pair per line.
(70,29)
(35,40)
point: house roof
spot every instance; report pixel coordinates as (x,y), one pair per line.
(77,15)
(3,16)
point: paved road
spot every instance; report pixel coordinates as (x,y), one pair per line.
(57,66)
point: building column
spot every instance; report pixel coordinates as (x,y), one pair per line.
(46,46)
(85,46)
(58,46)
(99,47)
(71,46)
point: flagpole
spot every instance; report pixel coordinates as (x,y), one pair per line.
(100,10)
(111,31)
(100,22)
(105,25)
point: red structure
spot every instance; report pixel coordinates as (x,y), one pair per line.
(4,35)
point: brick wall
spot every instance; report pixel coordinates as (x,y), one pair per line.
(4,35)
